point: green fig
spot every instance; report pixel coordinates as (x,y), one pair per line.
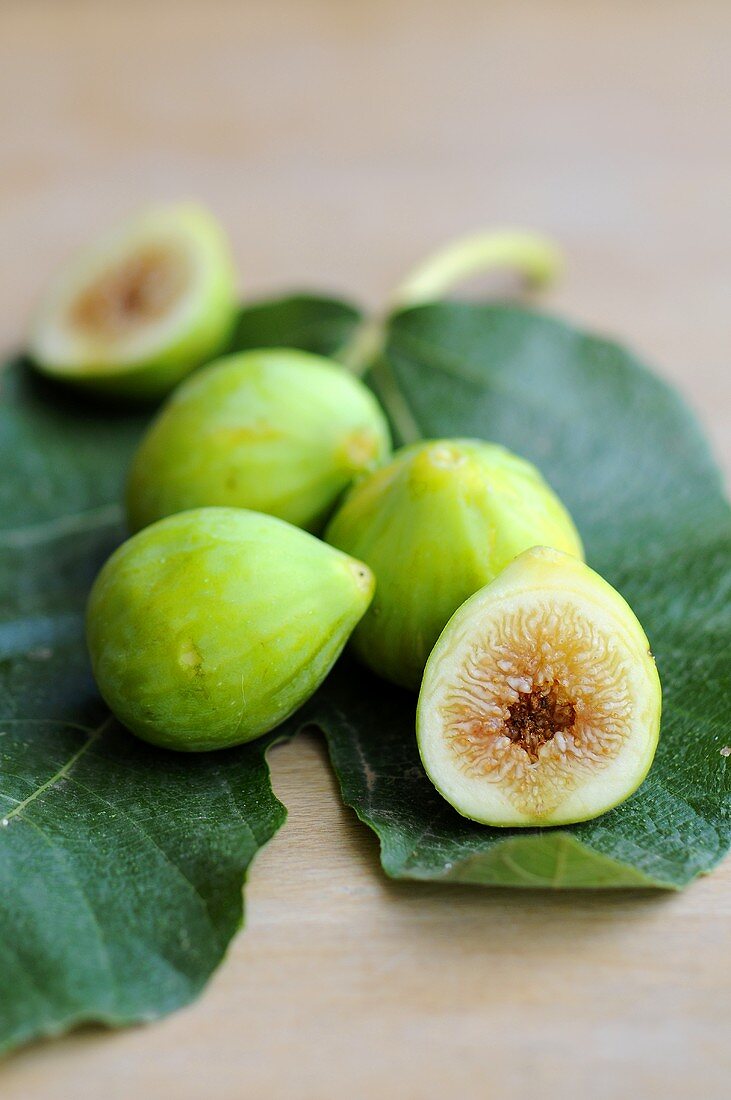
(278,431)
(540,703)
(435,525)
(209,628)
(141,307)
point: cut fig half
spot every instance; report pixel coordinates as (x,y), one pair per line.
(540,703)
(141,307)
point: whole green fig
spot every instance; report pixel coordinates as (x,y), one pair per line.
(435,525)
(278,431)
(210,627)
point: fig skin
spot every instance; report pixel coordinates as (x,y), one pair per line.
(70,339)
(435,525)
(540,579)
(277,431)
(209,628)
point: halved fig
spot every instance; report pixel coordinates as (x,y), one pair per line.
(141,307)
(540,703)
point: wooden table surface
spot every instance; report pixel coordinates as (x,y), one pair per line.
(339,141)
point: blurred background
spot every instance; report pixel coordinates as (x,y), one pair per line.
(340,141)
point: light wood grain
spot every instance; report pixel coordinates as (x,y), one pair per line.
(339,141)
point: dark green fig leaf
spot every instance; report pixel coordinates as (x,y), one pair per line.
(629,461)
(121,866)
(307,321)
(121,870)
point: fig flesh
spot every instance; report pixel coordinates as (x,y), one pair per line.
(209,628)
(540,703)
(141,307)
(435,525)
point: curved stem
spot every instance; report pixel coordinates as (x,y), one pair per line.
(364,347)
(536,260)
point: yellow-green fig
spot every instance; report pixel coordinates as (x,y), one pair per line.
(140,307)
(436,524)
(278,431)
(209,628)
(540,703)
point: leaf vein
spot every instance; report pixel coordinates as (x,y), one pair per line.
(63,772)
(19,538)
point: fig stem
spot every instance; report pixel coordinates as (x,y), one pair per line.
(364,347)
(535,259)
(389,392)
(362,354)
